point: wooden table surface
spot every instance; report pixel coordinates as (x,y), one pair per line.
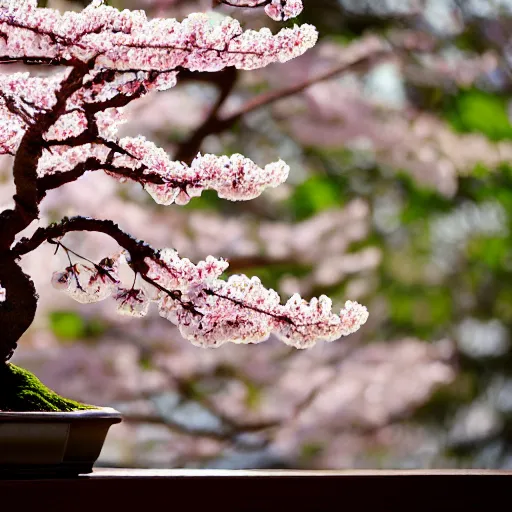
(262,491)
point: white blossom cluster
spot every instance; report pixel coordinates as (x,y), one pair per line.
(282,10)
(67,126)
(20,92)
(175,273)
(65,158)
(242,310)
(89,283)
(279,10)
(121,41)
(210,311)
(128,40)
(3,294)
(86,283)
(235,178)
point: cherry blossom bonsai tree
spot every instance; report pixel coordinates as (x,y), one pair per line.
(58,126)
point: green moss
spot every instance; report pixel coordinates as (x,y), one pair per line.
(22,391)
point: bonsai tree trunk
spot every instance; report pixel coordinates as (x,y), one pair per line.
(18,310)
(20,390)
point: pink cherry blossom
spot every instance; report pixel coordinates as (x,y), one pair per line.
(125,40)
(65,158)
(282,10)
(68,125)
(211,312)
(85,283)
(235,178)
(175,273)
(279,10)
(131,302)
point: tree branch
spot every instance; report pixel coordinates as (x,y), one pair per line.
(214,124)
(188,149)
(139,174)
(241,4)
(39,61)
(359,65)
(16,109)
(137,248)
(121,100)
(25,164)
(57,179)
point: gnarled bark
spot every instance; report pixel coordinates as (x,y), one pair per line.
(18,310)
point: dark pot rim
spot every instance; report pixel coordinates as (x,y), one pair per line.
(101,413)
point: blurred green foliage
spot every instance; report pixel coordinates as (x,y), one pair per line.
(70,325)
(208,200)
(314,195)
(479,111)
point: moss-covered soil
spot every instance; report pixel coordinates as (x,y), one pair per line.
(22,391)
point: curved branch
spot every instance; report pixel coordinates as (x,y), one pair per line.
(137,248)
(57,179)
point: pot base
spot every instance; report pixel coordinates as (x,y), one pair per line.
(50,444)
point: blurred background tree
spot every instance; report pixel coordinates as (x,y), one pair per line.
(398,131)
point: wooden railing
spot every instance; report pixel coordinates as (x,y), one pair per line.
(121,490)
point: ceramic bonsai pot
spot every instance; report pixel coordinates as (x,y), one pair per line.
(39,444)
